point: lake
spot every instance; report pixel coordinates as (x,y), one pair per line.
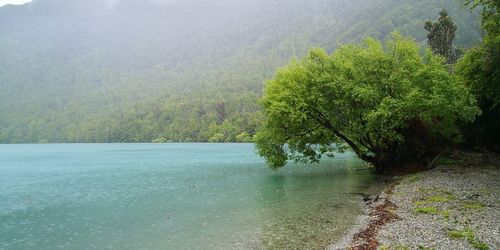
(173,196)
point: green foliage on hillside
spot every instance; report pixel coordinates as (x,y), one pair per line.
(480,69)
(79,71)
(392,106)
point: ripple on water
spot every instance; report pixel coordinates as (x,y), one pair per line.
(189,196)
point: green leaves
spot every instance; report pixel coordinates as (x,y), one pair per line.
(480,69)
(366,96)
(441,36)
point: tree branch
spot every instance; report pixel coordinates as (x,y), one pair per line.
(326,123)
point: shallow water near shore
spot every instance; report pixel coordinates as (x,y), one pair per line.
(172,196)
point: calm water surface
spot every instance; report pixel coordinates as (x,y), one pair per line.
(172,196)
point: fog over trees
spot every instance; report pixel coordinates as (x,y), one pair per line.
(167,70)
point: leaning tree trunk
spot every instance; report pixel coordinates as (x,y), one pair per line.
(419,147)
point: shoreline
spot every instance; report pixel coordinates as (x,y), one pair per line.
(375,215)
(452,206)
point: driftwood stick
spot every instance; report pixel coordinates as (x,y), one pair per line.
(431,164)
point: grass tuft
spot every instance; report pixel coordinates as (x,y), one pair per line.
(473,205)
(446,213)
(469,235)
(414,177)
(426,210)
(425,248)
(441,198)
(444,161)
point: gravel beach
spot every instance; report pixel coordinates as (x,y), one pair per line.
(453,206)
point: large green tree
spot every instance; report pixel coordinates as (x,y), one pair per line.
(387,102)
(480,68)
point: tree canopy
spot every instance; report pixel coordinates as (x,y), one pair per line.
(386,101)
(441,36)
(480,69)
(481,65)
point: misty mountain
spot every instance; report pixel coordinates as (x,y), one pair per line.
(190,70)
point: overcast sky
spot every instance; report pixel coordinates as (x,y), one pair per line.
(4,2)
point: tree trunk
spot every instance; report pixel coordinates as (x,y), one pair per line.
(388,163)
(414,154)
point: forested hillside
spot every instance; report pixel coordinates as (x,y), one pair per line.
(138,71)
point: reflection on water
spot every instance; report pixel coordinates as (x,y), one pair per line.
(171,196)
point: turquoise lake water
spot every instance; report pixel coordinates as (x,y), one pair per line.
(172,196)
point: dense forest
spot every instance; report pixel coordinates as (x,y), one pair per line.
(142,71)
